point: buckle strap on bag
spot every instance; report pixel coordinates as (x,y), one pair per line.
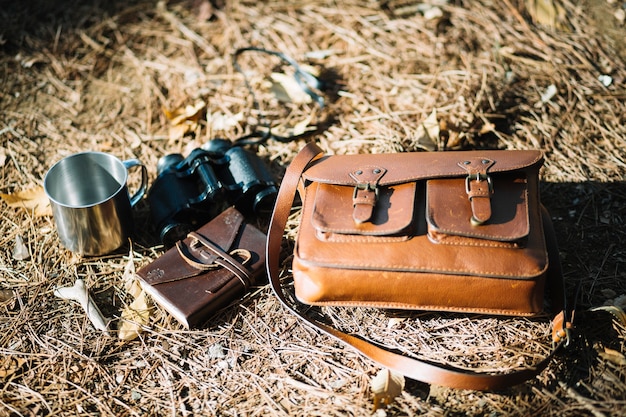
(479,188)
(365,193)
(417,369)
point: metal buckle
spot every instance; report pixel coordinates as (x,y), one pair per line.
(478,177)
(365,187)
(568,337)
(565,338)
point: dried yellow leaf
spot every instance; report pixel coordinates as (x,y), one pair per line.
(613,356)
(546,12)
(20,250)
(190,112)
(10,365)
(131,285)
(136,315)
(427,134)
(134,318)
(184,119)
(386,386)
(32,199)
(286,89)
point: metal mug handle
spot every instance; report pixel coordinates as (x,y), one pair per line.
(131,163)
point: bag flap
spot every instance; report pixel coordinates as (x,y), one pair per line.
(413,166)
(333,210)
(170,266)
(449,212)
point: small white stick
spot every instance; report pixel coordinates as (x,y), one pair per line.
(78,292)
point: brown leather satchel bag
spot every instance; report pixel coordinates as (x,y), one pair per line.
(443,231)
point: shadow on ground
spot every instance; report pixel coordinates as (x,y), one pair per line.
(30,24)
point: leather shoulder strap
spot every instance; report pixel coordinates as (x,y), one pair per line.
(420,370)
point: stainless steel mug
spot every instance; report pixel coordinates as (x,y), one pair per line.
(90,201)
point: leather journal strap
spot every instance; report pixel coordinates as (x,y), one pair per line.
(417,369)
(221,258)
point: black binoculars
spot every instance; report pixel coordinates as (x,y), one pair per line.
(190,191)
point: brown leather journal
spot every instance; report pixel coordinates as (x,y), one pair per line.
(210,268)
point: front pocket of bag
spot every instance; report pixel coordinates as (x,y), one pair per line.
(393,214)
(449,213)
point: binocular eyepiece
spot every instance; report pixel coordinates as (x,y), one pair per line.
(190,191)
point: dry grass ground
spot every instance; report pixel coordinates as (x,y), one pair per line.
(78,75)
